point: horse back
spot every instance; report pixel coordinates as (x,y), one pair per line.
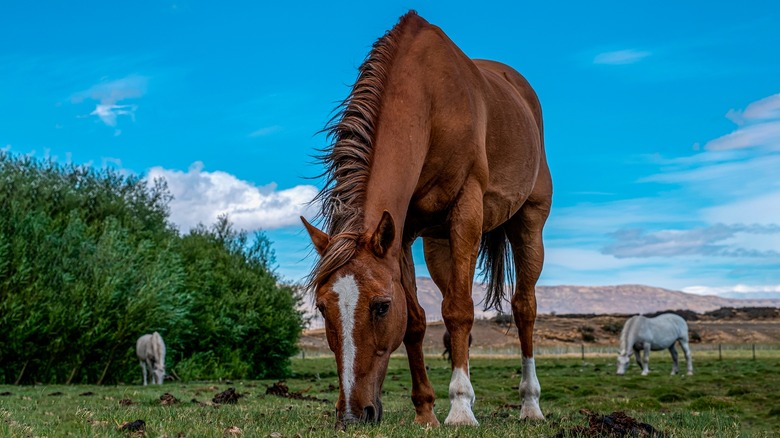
(486,124)
(662,331)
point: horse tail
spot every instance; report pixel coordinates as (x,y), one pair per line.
(495,260)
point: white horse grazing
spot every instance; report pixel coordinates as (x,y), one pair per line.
(645,334)
(151,353)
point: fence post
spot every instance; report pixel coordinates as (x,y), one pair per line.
(754,351)
(583,351)
(720,353)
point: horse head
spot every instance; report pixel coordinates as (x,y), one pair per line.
(159,372)
(622,363)
(363,304)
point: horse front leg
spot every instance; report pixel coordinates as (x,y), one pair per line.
(143,370)
(673,352)
(646,360)
(451,264)
(422,391)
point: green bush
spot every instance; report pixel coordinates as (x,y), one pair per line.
(88,263)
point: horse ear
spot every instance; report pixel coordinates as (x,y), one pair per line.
(320,239)
(384,235)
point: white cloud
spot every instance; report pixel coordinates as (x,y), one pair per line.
(743,289)
(109,113)
(577,259)
(766,108)
(709,241)
(764,134)
(201,196)
(621,57)
(712,218)
(109,94)
(761,209)
(758,126)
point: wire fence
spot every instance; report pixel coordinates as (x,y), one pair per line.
(585,351)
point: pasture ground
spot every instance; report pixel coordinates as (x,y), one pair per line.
(736,396)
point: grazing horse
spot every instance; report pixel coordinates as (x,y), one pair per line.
(645,334)
(447,340)
(432,144)
(150,350)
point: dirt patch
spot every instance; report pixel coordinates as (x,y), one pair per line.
(228,396)
(202,404)
(56,393)
(126,402)
(134,426)
(87,394)
(280,389)
(616,424)
(6,393)
(168,399)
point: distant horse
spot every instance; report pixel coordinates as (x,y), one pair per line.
(429,143)
(646,334)
(150,350)
(447,340)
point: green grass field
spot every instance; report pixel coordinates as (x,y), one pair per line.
(728,398)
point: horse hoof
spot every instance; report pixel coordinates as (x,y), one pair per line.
(531,413)
(428,420)
(461,418)
(461,422)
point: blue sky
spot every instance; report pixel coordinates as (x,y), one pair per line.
(662,120)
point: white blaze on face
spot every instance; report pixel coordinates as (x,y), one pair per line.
(347,290)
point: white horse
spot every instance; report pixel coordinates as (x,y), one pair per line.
(151,353)
(646,334)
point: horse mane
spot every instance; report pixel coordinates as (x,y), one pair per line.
(624,335)
(347,160)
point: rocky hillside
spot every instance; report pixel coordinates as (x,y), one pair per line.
(623,299)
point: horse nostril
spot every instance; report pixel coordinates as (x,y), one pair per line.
(369,413)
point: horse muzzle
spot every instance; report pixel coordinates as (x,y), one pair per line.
(370,413)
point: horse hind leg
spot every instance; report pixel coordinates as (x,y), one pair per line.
(638,357)
(688,358)
(673,352)
(524,232)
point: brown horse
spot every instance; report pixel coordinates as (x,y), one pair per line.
(431,144)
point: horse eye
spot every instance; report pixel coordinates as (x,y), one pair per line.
(381,309)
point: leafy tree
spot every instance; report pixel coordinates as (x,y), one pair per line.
(241,315)
(89,262)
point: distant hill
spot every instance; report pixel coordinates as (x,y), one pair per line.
(599,300)
(625,299)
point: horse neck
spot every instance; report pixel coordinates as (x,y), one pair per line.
(626,336)
(401,143)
